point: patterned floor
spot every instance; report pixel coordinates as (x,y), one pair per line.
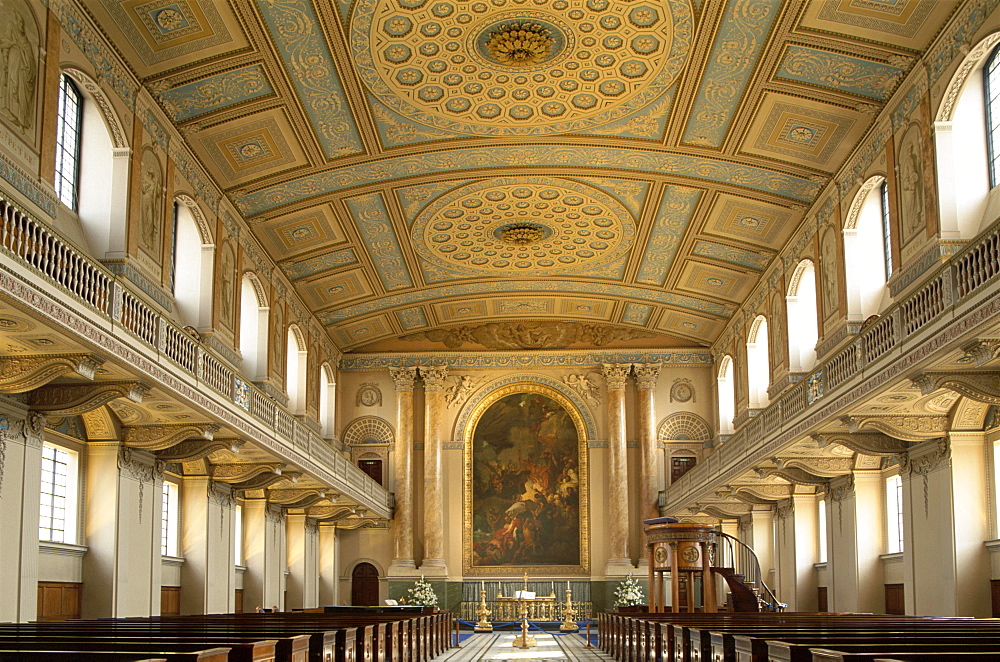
(498,646)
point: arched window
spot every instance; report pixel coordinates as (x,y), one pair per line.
(327,400)
(867,250)
(727,395)
(253,328)
(803,325)
(296,368)
(70,119)
(193,259)
(758,364)
(991,80)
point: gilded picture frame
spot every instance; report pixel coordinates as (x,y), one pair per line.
(499,510)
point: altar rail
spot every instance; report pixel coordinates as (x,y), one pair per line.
(957,283)
(504,611)
(31,244)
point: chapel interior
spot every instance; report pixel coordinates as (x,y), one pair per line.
(304,300)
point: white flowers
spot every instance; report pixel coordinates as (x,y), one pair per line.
(421,594)
(629,593)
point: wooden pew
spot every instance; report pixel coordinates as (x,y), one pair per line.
(17,655)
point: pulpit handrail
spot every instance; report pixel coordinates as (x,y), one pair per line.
(747,564)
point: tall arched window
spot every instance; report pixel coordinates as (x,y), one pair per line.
(192,268)
(967,137)
(867,251)
(727,395)
(253,328)
(296,369)
(803,325)
(758,364)
(70,119)
(327,400)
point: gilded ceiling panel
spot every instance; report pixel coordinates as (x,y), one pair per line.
(505,68)
(337,289)
(412,318)
(686,325)
(379,238)
(836,71)
(304,231)
(216,92)
(637,313)
(593,309)
(714,281)
(742,220)
(902,23)
(249,148)
(805,132)
(677,207)
(325,261)
(364,331)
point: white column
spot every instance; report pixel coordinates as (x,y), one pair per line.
(797,535)
(762,540)
(946,504)
(855,522)
(262,548)
(329,582)
(208,576)
(20,485)
(123,523)
(303,562)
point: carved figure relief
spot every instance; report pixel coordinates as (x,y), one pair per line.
(277,337)
(18,65)
(778,342)
(529,335)
(150,202)
(682,390)
(911,182)
(586,386)
(369,395)
(828,263)
(457,393)
(227,268)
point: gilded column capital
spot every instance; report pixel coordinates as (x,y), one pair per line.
(434,377)
(646,374)
(403,378)
(615,374)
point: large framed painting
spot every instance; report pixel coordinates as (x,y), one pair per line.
(525,484)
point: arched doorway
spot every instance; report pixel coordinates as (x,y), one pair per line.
(364,585)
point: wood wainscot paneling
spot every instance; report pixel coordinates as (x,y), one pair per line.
(238,601)
(821,599)
(894,599)
(170,601)
(59,601)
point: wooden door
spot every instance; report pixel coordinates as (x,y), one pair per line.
(680,466)
(373,468)
(364,585)
(894,602)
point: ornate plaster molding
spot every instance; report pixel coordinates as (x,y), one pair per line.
(979,386)
(264,480)
(19,374)
(197,449)
(982,351)
(237,473)
(821,467)
(296,498)
(866,443)
(162,437)
(334,513)
(76,399)
(646,374)
(906,428)
(403,378)
(615,374)
(435,377)
(798,476)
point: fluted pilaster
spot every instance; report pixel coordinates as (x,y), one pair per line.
(403,378)
(434,385)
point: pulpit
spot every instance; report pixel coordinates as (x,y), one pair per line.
(680,548)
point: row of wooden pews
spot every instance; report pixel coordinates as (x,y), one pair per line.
(313,636)
(796,637)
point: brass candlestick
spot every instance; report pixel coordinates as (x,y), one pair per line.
(483,613)
(568,624)
(524,640)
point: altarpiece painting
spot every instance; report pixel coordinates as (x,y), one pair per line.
(526,484)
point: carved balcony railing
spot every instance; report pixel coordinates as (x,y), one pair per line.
(959,282)
(31,244)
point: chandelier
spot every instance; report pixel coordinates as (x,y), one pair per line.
(521,234)
(520,44)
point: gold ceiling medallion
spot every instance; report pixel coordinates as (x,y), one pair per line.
(522,234)
(520,44)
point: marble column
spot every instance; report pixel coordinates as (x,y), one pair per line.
(650,473)
(124,519)
(617,516)
(208,576)
(434,384)
(402,521)
(20,485)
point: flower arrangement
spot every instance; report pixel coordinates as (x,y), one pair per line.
(629,593)
(421,594)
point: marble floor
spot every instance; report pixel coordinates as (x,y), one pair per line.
(497,646)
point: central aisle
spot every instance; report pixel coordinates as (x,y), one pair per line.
(497,646)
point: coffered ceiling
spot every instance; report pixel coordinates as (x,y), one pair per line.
(625,168)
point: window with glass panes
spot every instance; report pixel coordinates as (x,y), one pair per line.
(991,79)
(168,522)
(886,236)
(68,143)
(894,514)
(52,518)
